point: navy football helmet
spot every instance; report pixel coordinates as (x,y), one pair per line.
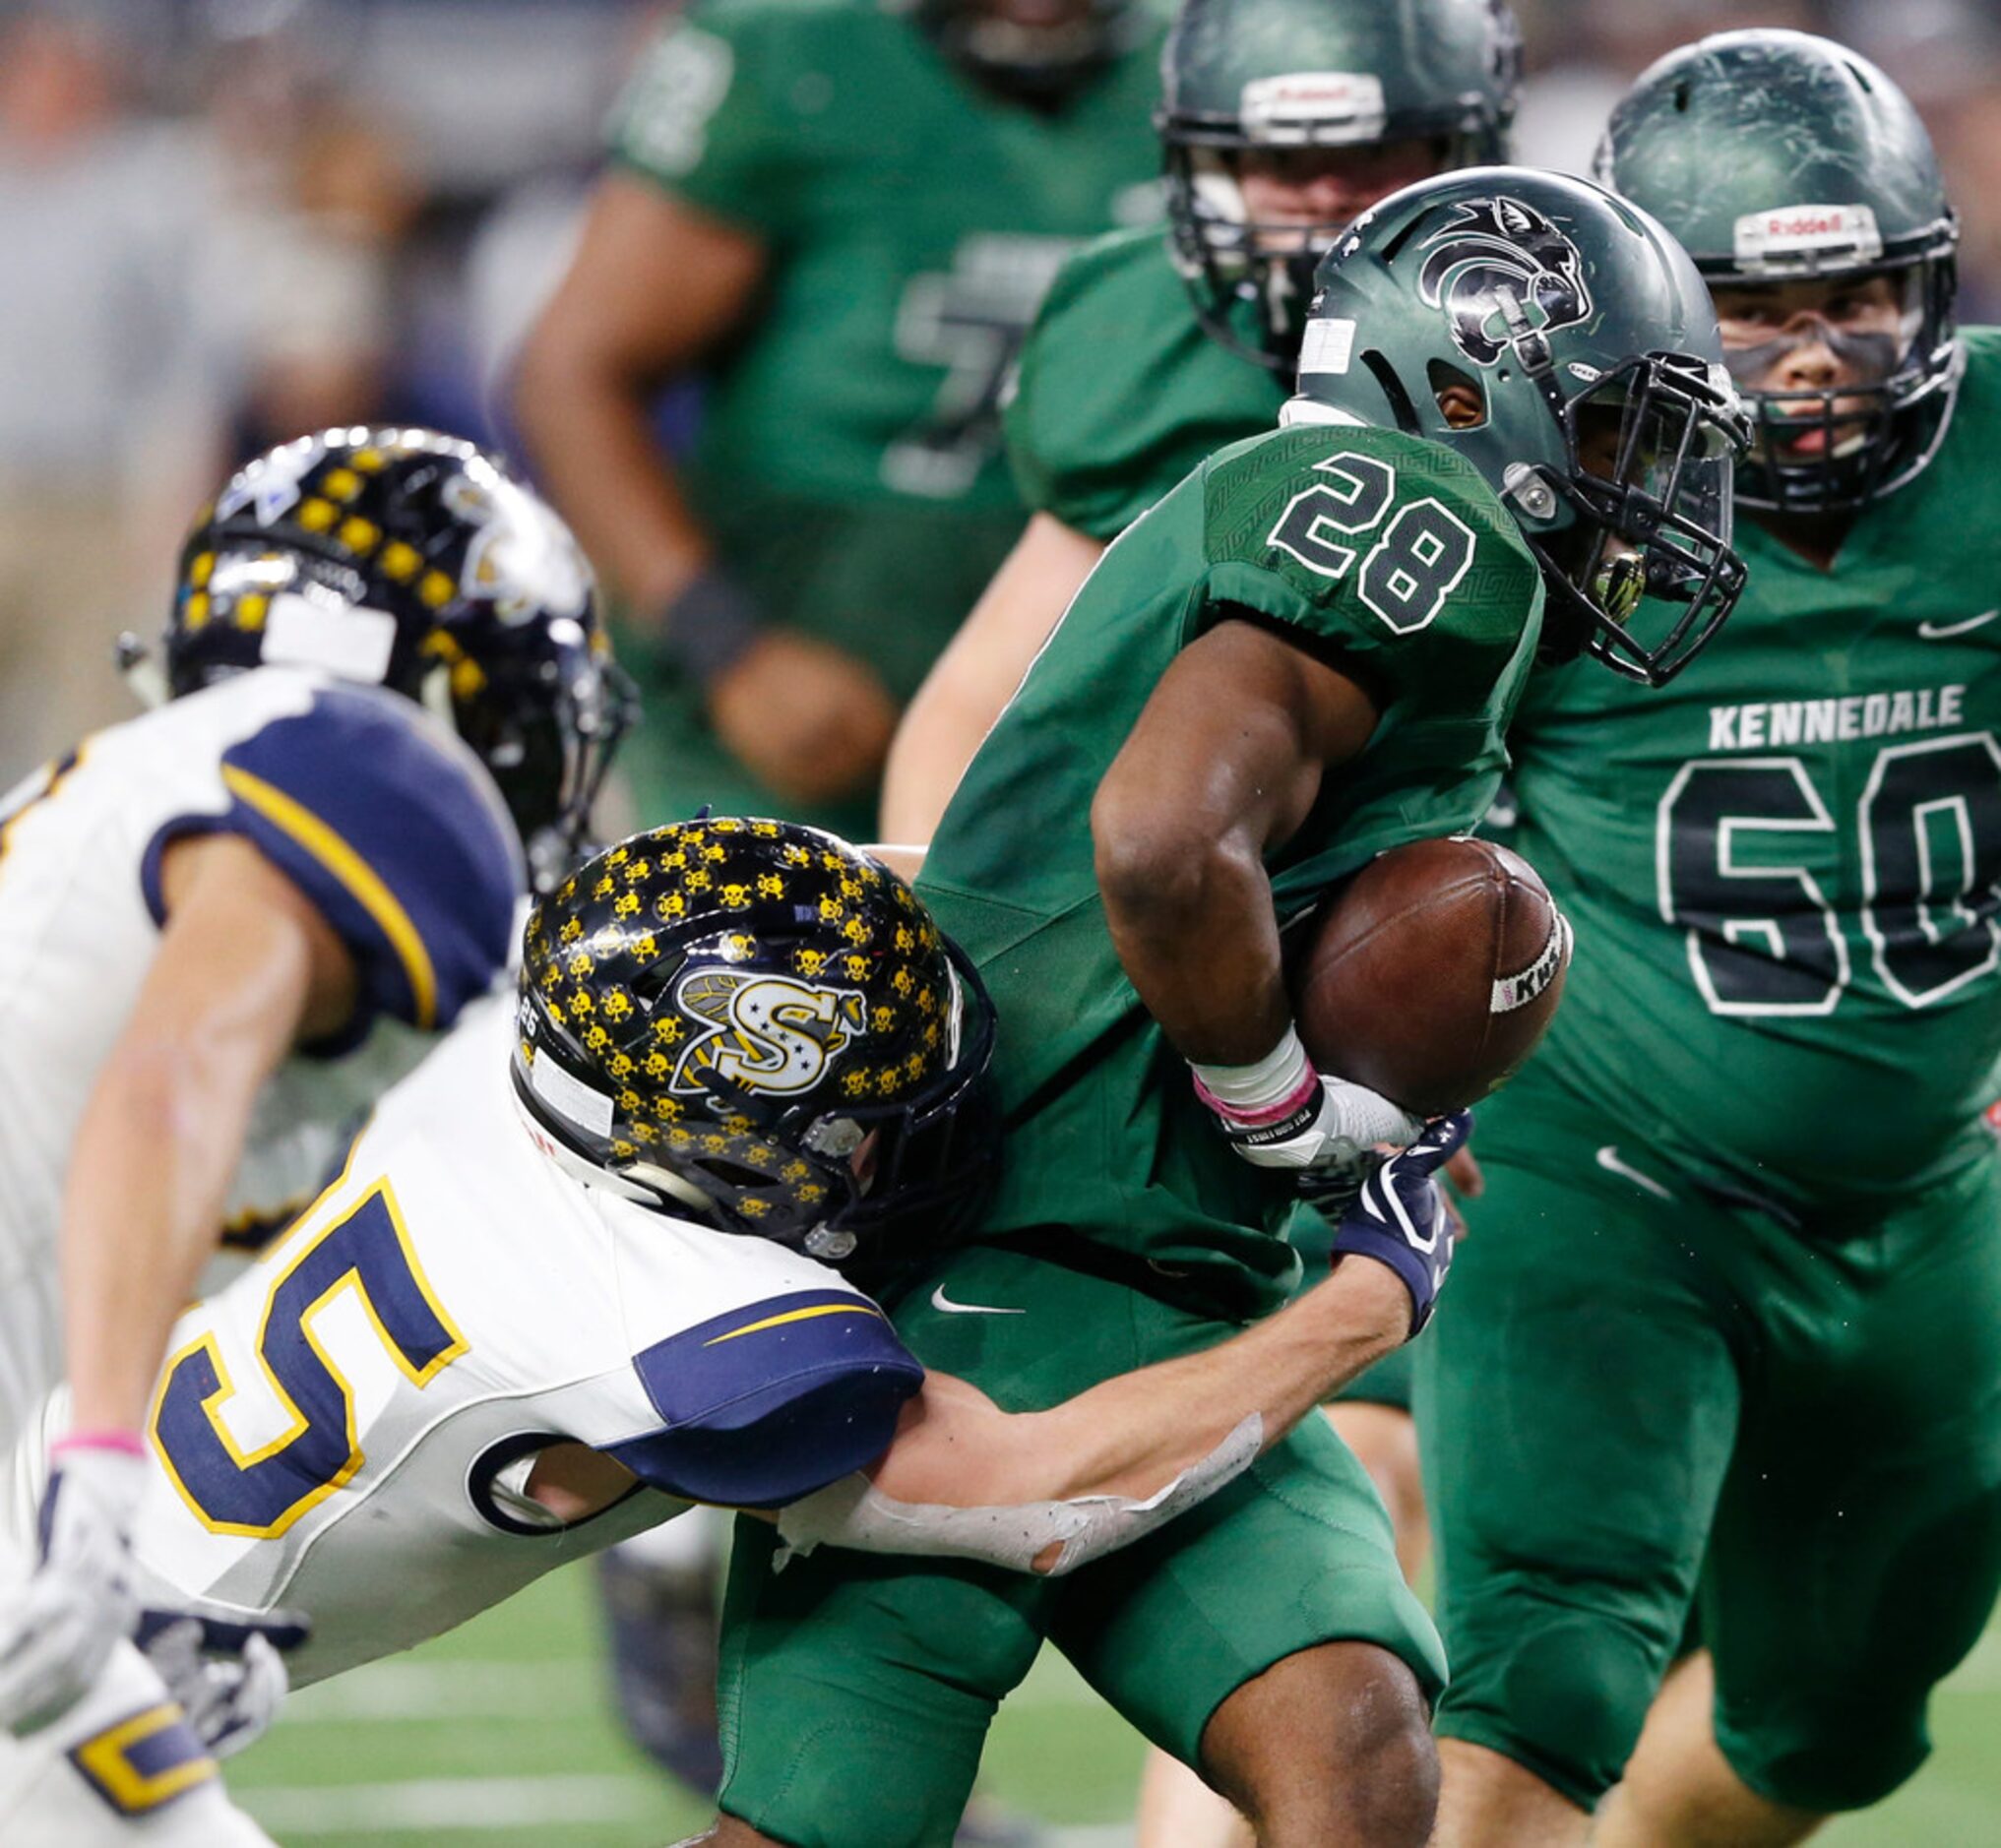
(758,1025)
(413,561)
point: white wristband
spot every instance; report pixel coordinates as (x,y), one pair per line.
(1267,1085)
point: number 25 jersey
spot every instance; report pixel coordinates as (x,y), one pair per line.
(345,1429)
(1781,869)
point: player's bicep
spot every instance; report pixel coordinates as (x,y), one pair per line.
(654,282)
(1236,738)
(246,966)
(768,1402)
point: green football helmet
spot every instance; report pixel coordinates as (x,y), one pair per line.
(1244,75)
(1776,156)
(1562,342)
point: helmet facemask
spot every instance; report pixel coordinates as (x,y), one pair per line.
(1832,450)
(1634,534)
(1251,281)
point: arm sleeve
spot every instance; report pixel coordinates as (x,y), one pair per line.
(398,837)
(773,1400)
(698,117)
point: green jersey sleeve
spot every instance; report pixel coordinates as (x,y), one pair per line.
(1384,549)
(1119,393)
(701,115)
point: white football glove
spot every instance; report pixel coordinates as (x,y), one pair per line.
(58,1630)
(1280,1113)
(229,1698)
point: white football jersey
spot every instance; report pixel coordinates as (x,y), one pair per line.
(344,1428)
(380,815)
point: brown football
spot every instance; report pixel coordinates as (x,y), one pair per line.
(1431,974)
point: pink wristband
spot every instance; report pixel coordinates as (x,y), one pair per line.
(1295,1100)
(129,1442)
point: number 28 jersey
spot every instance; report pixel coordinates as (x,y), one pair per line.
(345,1428)
(1384,553)
(1783,867)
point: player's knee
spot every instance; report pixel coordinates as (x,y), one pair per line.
(1335,1745)
(1561,1690)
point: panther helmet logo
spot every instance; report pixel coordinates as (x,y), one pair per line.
(771,1034)
(1497,245)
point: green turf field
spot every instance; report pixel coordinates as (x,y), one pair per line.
(501,1732)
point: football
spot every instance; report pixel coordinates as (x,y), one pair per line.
(1432,973)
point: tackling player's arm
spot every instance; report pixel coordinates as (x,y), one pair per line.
(1042,1491)
(974,678)
(1050,1490)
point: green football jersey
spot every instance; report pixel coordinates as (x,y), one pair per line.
(1781,869)
(1120,393)
(849,458)
(1379,549)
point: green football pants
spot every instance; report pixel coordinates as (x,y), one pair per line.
(1634,1392)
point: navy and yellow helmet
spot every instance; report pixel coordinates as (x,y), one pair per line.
(413,561)
(757,1022)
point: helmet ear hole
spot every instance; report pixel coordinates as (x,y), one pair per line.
(1459,396)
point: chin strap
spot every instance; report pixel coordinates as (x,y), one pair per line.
(852,1513)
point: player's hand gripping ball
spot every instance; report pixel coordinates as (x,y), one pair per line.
(1432,973)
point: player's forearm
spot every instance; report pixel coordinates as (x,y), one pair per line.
(1192,919)
(141,1215)
(588,432)
(1133,1434)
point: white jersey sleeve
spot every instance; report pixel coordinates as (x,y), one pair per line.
(386,822)
(331,1429)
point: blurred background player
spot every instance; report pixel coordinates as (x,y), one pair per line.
(1280,121)
(239,919)
(1731,1330)
(1304,655)
(838,217)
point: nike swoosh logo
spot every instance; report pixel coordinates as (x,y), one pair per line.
(1608,1159)
(1940,632)
(939,1300)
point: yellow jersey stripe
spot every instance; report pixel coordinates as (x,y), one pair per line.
(798,1315)
(355,873)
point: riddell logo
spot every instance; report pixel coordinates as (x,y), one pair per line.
(1790,232)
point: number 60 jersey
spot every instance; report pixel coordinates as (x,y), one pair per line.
(1783,867)
(346,1428)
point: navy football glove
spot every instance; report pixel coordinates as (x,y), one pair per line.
(1401,1219)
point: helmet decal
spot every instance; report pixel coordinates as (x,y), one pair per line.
(771,1034)
(521,558)
(271,486)
(717,1016)
(1500,247)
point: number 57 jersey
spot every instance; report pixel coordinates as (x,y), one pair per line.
(346,1428)
(1783,869)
